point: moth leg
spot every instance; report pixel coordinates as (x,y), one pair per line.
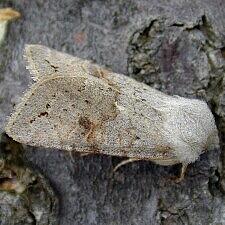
(85,154)
(125,162)
(182,173)
(71,156)
(2,165)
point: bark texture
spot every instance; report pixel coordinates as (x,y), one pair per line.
(175,46)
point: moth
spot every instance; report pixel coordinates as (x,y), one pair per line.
(76,105)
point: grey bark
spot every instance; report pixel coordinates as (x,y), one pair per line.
(175,46)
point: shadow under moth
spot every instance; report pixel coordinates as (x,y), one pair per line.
(75,105)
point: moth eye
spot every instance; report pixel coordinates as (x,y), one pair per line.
(65,110)
(86,101)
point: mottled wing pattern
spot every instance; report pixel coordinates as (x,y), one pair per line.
(43,62)
(70,110)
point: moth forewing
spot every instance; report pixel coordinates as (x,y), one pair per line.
(43,62)
(75,112)
(78,106)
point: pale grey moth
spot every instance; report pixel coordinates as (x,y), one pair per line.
(75,105)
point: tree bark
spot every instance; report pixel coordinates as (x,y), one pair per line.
(177,47)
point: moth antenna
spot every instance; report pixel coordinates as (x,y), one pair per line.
(124,162)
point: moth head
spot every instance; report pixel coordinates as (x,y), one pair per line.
(192,129)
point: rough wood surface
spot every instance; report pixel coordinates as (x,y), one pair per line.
(175,46)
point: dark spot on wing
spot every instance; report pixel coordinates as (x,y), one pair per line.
(31,121)
(43,114)
(85,123)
